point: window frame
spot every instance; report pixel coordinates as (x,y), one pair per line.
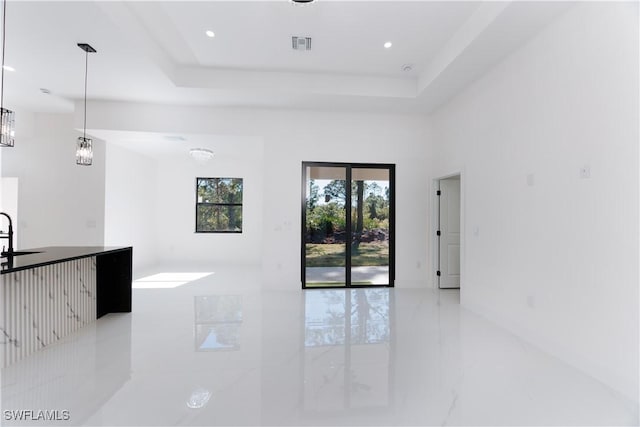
(219,204)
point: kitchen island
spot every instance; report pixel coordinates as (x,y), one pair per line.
(50,292)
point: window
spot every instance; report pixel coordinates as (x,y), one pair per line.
(218,205)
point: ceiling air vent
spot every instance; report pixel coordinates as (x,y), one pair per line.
(301,43)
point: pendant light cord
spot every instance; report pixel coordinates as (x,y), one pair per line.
(4,32)
(86,71)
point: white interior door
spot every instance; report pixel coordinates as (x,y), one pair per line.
(449,244)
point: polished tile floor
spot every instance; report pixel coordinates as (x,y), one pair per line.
(213,349)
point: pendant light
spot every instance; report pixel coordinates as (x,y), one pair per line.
(84,146)
(7,119)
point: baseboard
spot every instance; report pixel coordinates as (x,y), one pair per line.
(412,284)
(624,385)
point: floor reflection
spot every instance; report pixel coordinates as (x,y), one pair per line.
(52,379)
(218,319)
(224,351)
(348,357)
(198,398)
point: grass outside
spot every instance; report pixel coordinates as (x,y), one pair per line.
(333,254)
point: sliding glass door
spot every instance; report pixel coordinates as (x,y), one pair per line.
(347,224)
(325,229)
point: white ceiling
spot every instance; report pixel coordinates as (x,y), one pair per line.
(348,37)
(158,52)
(172,146)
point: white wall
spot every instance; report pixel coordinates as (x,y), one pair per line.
(1,192)
(555,261)
(178,243)
(290,137)
(9,205)
(344,137)
(130,204)
(59,203)
(150,201)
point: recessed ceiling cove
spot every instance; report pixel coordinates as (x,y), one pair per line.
(158,52)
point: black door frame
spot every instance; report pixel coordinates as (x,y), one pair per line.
(391,167)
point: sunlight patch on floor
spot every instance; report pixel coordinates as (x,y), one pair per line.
(167,280)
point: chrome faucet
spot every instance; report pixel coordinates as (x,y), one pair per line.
(8,236)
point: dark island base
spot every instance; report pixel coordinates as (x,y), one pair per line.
(114,276)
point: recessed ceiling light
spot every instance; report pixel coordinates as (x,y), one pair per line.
(8,68)
(210,33)
(387,45)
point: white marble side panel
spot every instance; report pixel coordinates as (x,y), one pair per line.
(44,304)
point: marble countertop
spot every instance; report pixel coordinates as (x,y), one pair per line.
(52,255)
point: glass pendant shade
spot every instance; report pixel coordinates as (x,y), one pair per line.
(7,128)
(84,151)
(7,117)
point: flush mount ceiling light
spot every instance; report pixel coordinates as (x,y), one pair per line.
(201,155)
(7,117)
(84,146)
(387,45)
(210,33)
